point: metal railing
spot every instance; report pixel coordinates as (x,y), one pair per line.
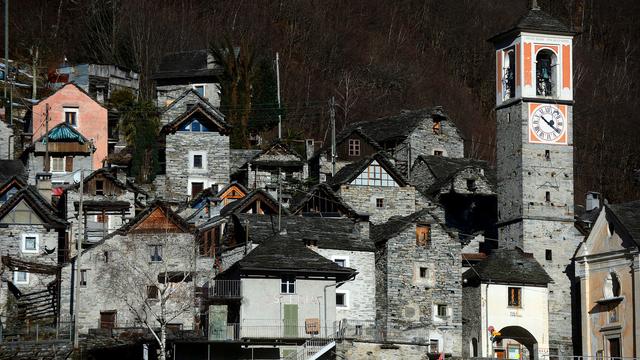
(38,332)
(310,348)
(263,329)
(225,289)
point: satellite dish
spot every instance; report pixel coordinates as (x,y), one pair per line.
(76,177)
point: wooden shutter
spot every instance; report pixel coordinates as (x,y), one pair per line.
(68,166)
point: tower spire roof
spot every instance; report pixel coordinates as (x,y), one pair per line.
(538,21)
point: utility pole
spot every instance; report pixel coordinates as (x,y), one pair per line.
(332,115)
(278,85)
(279,200)
(47,161)
(34,71)
(6,48)
(76,303)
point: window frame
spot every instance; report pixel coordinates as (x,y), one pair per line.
(71,110)
(380,203)
(345,297)
(64,164)
(83,277)
(446,311)
(345,259)
(510,302)
(204,89)
(437,152)
(24,242)
(15,277)
(426,241)
(101,190)
(286,284)
(354,147)
(157,293)
(203,155)
(153,253)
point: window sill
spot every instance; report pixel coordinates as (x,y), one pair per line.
(29,251)
(610,300)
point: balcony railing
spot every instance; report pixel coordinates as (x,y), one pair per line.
(269,329)
(225,289)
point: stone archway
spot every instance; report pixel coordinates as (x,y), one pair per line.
(521,335)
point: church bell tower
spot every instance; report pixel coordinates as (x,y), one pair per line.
(534,101)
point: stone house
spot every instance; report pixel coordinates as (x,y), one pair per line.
(256,202)
(33,236)
(126,275)
(195,69)
(418,285)
(505,307)
(607,265)
(278,163)
(465,188)
(110,200)
(68,151)
(373,186)
(72,105)
(210,201)
(98,80)
(402,137)
(287,291)
(195,149)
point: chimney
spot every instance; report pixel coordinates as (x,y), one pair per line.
(363,227)
(309,147)
(593,200)
(43,183)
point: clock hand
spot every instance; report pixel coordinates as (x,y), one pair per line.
(550,123)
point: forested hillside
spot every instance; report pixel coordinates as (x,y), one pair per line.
(375,56)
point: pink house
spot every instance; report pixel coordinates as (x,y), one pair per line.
(74,106)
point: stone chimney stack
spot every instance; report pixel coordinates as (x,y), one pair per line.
(593,200)
(43,183)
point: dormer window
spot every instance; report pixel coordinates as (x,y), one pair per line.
(437,126)
(545,73)
(354,147)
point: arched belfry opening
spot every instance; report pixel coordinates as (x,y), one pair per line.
(546,73)
(516,339)
(509,75)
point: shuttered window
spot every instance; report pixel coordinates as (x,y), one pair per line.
(68,165)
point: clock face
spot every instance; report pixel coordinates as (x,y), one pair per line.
(547,124)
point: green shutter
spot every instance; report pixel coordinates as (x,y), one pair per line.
(291,320)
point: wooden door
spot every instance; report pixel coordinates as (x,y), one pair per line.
(107,319)
(291,320)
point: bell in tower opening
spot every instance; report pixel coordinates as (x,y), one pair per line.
(509,75)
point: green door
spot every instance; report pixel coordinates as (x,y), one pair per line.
(218,322)
(291,320)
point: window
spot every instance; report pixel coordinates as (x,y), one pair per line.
(615,350)
(29,243)
(442,311)
(197,161)
(515,296)
(375,175)
(423,234)
(288,285)
(199,89)
(152,292)
(156,253)
(379,203)
(71,116)
(341,299)
(341,262)
(195,126)
(20,277)
(433,346)
(547,155)
(102,218)
(438,152)
(424,272)
(57,164)
(83,277)
(547,196)
(471,184)
(196,188)
(437,126)
(106,256)
(354,147)
(548,255)
(99,187)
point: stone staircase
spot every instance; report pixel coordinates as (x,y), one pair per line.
(312,349)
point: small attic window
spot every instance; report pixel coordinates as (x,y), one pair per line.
(471,185)
(310,242)
(438,152)
(437,126)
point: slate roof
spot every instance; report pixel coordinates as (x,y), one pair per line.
(238,158)
(445,168)
(41,206)
(322,191)
(179,221)
(10,168)
(288,150)
(239,205)
(351,171)
(107,174)
(329,233)
(289,255)
(19,182)
(185,64)
(539,21)
(394,128)
(628,215)
(509,266)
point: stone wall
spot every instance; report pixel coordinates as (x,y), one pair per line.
(178,172)
(398,201)
(121,265)
(166,94)
(357,350)
(361,291)
(6,142)
(423,141)
(471,320)
(407,301)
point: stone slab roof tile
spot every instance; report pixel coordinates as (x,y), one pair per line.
(509,266)
(628,215)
